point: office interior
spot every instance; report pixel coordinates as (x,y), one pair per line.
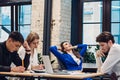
(76,21)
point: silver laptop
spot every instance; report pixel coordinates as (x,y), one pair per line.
(48,66)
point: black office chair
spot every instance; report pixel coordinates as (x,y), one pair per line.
(61,65)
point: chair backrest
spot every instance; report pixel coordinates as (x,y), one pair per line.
(113,76)
(61,65)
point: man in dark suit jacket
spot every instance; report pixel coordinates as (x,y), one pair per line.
(8,54)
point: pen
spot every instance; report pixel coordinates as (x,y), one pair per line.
(23,63)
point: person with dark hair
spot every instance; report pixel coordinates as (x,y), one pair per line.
(8,54)
(109,47)
(71,58)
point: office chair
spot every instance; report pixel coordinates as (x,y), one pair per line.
(61,65)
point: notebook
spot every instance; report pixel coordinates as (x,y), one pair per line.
(48,66)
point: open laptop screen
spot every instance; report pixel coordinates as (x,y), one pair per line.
(47,64)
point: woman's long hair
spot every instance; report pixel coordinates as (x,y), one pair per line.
(31,37)
(75,51)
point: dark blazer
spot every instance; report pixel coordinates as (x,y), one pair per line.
(6,58)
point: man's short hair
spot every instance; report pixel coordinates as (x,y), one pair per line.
(105,37)
(16,36)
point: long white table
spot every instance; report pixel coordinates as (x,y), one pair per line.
(46,75)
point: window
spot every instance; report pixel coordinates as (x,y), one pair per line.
(14,18)
(115,20)
(5,22)
(92,26)
(92,21)
(97,16)
(24,21)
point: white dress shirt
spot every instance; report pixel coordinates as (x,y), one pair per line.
(77,60)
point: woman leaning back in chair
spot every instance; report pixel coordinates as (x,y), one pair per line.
(69,55)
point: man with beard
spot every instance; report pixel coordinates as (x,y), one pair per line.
(108,45)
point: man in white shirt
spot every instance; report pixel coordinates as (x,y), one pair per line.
(107,45)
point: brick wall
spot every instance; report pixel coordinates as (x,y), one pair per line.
(61,18)
(61,21)
(38,20)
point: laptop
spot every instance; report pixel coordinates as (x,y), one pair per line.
(38,71)
(48,66)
